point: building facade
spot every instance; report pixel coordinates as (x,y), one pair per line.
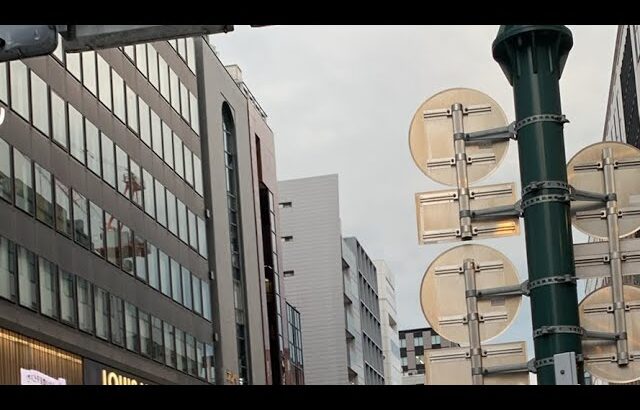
(389,323)
(333,284)
(413,344)
(129,235)
(265,188)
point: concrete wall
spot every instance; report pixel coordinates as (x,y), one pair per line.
(316,287)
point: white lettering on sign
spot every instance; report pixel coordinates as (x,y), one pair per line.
(34,377)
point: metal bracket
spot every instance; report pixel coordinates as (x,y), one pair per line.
(551,280)
(549,361)
(544,198)
(590,334)
(537,185)
(547,330)
(494,134)
(562,119)
(508,368)
(578,195)
(515,290)
(497,212)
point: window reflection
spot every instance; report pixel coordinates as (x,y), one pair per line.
(44,195)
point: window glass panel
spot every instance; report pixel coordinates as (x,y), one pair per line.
(48,288)
(161,208)
(182,48)
(167,144)
(122,171)
(164,77)
(193,232)
(156,133)
(191,54)
(44,195)
(183,231)
(149,196)
(73,64)
(130,52)
(194,113)
(118,95)
(206,299)
(113,238)
(76,133)
(181,355)
(131,326)
(117,320)
(85,305)
(153,65)
(93,146)
(176,282)
(157,346)
(172,217)
(23,181)
(177,150)
(63,208)
(96,219)
(209,353)
(186,288)
(175,90)
(89,71)
(202,238)
(169,345)
(40,104)
(136,183)
(145,123)
(141,58)
(132,110)
(27,279)
(165,273)
(81,220)
(6,186)
(152,265)
(190,343)
(197,295)
(140,257)
(197,175)
(188,167)
(59,120)
(101,299)
(108,161)
(67,297)
(184,102)
(4,90)
(104,82)
(7,269)
(145,333)
(200,360)
(19,88)
(126,248)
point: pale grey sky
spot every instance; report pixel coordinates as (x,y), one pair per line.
(340,100)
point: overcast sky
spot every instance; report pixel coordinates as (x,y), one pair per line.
(340,100)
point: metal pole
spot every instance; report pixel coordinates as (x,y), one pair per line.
(532,57)
(473,323)
(461,172)
(615,264)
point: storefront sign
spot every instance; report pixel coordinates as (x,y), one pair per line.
(34,377)
(97,373)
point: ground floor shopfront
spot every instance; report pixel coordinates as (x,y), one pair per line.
(24,360)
